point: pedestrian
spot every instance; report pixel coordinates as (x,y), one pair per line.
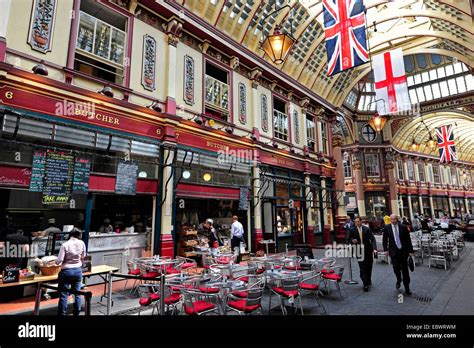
(363,237)
(236,237)
(213,239)
(397,243)
(71,257)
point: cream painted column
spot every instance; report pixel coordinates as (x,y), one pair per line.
(257,206)
(390,167)
(400,211)
(5,6)
(432,207)
(357,166)
(451,206)
(466,205)
(256,103)
(410,208)
(167,185)
(173,29)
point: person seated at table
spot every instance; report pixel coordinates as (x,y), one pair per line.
(106,227)
(71,257)
(52,228)
(213,239)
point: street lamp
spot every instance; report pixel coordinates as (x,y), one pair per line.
(414,145)
(377,122)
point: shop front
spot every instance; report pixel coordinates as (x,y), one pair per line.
(79,175)
(440,206)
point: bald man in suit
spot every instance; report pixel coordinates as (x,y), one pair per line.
(397,242)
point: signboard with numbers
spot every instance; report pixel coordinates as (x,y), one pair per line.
(37,171)
(58,177)
(82,169)
(126,183)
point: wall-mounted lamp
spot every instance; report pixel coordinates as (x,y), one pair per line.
(207,177)
(107,91)
(155,106)
(229,129)
(40,69)
(186,174)
(198,119)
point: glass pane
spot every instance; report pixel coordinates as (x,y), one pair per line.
(410,80)
(452,86)
(469,82)
(85,35)
(425,76)
(457,68)
(461,84)
(449,70)
(433,75)
(428,93)
(444,88)
(413,97)
(421,95)
(102,40)
(436,91)
(441,72)
(117,46)
(417,79)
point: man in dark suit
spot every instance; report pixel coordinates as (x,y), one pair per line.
(397,242)
(363,236)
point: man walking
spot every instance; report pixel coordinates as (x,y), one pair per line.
(362,236)
(397,242)
(236,235)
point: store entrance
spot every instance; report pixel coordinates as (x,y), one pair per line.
(283,222)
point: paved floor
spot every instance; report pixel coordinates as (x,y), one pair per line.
(435,292)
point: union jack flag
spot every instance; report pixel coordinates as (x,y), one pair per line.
(344,28)
(447,151)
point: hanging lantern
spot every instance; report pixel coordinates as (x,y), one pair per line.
(278,45)
(414,145)
(377,122)
(431,143)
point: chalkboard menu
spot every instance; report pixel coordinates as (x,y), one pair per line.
(126,183)
(243,199)
(37,172)
(58,177)
(82,169)
(11,274)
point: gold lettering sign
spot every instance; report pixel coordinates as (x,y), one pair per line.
(217,146)
(9,95)
(158,131)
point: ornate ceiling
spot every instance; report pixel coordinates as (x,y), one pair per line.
(443,27)
(463,128)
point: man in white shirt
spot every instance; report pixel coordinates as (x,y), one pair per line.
(236,236)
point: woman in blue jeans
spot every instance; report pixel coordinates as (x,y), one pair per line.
(71,256)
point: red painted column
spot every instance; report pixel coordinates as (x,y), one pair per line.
(166,245)
(3,49)
(258,236)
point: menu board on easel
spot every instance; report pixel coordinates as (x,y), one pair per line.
(126,183)
(82,169)
(37,171)
(58,177)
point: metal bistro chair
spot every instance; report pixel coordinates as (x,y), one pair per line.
(248,305)
(198,303)
(334,277)
(133,270)
(188,265)
(148,297)
(286,289)
(207,262)
(253,281)
(438,253)
(416,243)
(292,263)
(311,284)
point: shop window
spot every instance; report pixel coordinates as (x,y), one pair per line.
(436,175)
(217,92)
(101,41)
(411,170)
(421,172)
(400,170)
(311,132)
(372,165)
(280,120)
(454,176)
(347,168)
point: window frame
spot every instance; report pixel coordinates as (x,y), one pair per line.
(420,167)
(366,158)
(311,118)
(437,175)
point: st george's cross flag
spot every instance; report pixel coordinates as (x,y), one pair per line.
(391,89)
(344,29)
(447,150)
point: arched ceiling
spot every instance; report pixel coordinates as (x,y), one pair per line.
(442,27)
(463,128)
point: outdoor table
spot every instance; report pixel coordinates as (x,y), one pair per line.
(104,271)
(161,264)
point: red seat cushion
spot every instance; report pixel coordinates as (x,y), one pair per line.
(224,262)
(286,293)
(241,294)
(209,290)
(173,298)
(327,271)
(240,306)
(260,270)
(134,272)
(198,307)
(151,275)
(155,297)
(293,268)
(244,279)
(171,270)
(308,286)
(332,276)
(187,265)
(276,266)
(145,301)
(207,267)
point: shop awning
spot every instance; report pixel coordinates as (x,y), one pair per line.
(201,191)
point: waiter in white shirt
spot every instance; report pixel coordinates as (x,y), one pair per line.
(236,236)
